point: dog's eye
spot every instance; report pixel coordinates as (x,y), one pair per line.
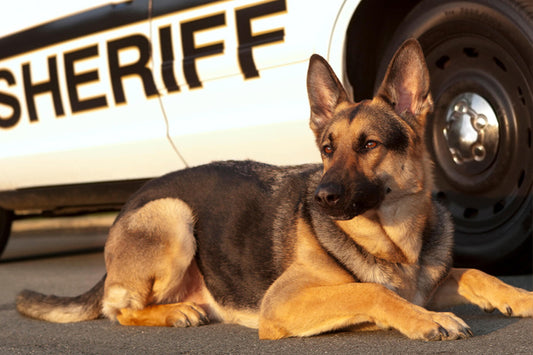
(327,149)
(369,145)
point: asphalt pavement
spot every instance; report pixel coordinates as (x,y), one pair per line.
(68,261)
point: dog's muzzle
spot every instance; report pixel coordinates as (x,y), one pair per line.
(344,203)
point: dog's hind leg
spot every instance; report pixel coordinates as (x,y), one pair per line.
(151,272)
(183,314)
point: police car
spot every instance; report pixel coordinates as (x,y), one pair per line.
(97,96)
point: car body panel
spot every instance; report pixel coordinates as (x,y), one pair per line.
(104,108)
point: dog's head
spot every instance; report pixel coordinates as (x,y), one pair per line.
(373,151)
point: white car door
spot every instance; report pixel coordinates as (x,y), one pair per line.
(233,76)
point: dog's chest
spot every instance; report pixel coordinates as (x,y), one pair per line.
(400,278)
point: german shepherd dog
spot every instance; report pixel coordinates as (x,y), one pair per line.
(300,250)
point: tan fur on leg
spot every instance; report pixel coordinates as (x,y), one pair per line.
(464,286)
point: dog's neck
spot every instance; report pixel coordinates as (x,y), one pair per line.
(393,232)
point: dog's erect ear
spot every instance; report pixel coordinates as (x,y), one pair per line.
(406,83)
(325,92)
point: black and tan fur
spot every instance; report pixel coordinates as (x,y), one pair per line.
(297,251)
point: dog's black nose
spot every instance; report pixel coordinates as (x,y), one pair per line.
(329,194)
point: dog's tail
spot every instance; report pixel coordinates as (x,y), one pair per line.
(57,309)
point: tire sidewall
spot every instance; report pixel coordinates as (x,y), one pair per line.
(500,15)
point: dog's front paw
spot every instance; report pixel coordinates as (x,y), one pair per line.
(437,326)
(519,304)
(489,293)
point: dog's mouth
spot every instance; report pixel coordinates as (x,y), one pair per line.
(342,217)
(343,214)
(340,203)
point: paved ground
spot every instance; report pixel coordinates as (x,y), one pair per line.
(28,264)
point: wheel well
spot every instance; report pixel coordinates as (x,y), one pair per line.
(369,33)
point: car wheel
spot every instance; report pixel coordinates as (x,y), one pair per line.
(480,57)
(6,217)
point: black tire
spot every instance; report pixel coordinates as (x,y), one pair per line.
(484,47)
(6,218)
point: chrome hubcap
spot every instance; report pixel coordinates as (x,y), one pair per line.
(472,132)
